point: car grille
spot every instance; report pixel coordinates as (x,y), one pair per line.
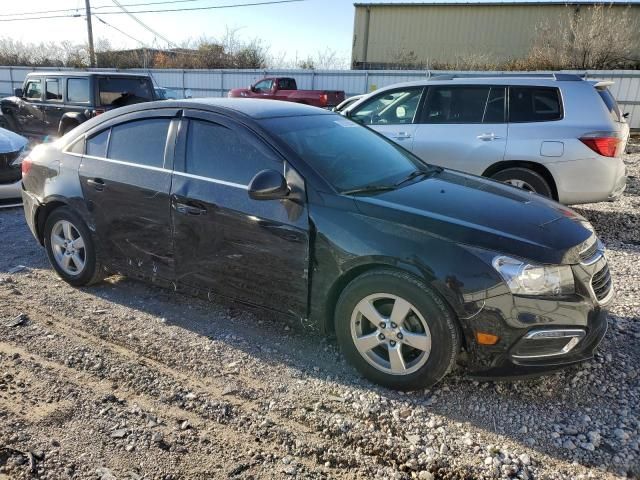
(601,283)
(9,173)
(589,252)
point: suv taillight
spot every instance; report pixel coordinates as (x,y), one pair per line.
(26,166)
(324,99)
(605,145)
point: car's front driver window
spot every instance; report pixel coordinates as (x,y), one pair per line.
(397,107)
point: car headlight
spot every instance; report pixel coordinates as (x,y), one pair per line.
(526,279)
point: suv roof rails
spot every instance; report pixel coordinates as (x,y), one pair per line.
(560,77)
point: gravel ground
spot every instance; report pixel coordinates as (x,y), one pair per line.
(124,380)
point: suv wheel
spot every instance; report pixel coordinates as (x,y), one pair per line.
(525,179)
(70,248)
(396,331)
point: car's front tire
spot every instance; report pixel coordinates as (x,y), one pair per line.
(525,179)
(70,248)
(396,331)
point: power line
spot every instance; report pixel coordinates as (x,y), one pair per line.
(141,23)
(77,14)
(118,30)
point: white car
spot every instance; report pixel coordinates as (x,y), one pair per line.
(559,136)
(12,151)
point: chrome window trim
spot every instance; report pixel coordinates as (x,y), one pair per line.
(159,169)
(213,180)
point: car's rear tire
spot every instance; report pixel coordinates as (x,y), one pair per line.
(396,331)
(70,248)
(525,179)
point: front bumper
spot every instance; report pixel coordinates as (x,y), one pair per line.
(30,205)
(538,335)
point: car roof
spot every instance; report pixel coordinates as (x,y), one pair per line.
(75,73)
(249,107)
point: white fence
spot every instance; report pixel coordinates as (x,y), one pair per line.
(215,83)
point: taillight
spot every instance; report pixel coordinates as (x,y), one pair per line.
(324,99)
(26,166)
(605,145)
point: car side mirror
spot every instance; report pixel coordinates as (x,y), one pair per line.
(18,92)
(268,185)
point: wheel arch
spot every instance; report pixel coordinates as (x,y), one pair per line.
(351,274)
(70,118)
(536,167)
(43,213)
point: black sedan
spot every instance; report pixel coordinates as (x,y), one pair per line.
(303,212)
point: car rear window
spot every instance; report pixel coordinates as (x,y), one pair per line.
(534,104)
(611,103)
(118,92)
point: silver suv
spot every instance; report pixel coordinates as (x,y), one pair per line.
(559,136)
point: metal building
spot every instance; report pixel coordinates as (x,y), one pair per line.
(446,32)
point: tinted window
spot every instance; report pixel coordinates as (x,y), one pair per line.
(395,107)
(97,145)
(78,90)
(33,90)
(140,141)
(52,89)
(286,84)
(347,155)
(117,92)
(215,151)
(456,104)
(611,104)
(494,111)
(534,104)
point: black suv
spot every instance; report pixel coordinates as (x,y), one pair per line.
(52,103)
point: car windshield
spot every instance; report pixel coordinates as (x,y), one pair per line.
(118,92)
(347,155)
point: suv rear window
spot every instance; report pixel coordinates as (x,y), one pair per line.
(611,103)
(117,92)
(534,104)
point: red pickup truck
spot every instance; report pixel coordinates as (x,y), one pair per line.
(286,89)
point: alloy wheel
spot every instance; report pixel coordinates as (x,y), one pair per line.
(390,334)
(520,184)
(68,247)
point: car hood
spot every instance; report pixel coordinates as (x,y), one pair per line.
(485,214)
(11,142)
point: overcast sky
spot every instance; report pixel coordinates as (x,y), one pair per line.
(299,29)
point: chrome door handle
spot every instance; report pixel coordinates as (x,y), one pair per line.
(189,209)
(401,135)
(487,137)
(96,183)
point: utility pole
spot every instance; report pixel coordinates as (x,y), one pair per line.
(92,53)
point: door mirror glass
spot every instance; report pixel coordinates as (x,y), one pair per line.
(268,185)
(18,92)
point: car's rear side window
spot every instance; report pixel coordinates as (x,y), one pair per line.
(534,104)
(97,145)
(457,104)
(611,104)
(140,141)
(52,89)
(78,90)
(217,152)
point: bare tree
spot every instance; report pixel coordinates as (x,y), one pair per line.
(596,37)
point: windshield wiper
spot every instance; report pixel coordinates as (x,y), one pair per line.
(368,189)
(416,174)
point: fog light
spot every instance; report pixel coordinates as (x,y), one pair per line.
(486,338)
(547,343)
